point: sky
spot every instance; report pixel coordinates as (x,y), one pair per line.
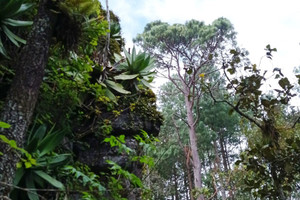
(257,23)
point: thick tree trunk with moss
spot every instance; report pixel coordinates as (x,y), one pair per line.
(23,94)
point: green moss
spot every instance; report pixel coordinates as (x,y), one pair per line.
(142,104)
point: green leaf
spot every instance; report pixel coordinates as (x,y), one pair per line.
(111,96)
(126,76)
(298,76)
(30,184)
(107,140)
(230,112)
(24,7)
(4,139)
(3,50)
(54,161)
(51,141)
(116,86)
(231,70)
(145,83)
(189,71)
(234,52)
(13,144)
(284,83)
(122,138)
(27,164)
(4,125)
(50,179)
(10,8)
(13,22)
(12,37)
(19,174)
(38,135)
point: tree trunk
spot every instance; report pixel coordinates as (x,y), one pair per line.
(223,152)
(193,142)
(226,165)
(277,183)
(187,165)
(23,94)
(218,168)
(186,185)
(176,183)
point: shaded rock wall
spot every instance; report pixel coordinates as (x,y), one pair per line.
(128,124)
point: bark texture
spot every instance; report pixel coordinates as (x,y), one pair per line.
(23,94)
(193,142)
(217,169)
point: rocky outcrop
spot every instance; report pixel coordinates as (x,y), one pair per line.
(129,123)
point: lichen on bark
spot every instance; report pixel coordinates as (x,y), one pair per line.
(23,93)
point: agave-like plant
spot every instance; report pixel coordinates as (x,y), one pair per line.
(138,69)
(10,9)
(40,144)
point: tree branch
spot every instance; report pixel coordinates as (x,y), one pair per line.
(30,190)
(297,121)
(236,108)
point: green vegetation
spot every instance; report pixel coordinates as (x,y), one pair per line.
(9,11)
(79,119)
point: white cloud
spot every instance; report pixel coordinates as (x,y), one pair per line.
(257,22)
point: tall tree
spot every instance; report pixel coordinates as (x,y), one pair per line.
(267,160)
(188,50)
(174,150)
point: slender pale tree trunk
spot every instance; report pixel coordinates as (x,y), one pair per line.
(193,142)
(22,97)
(187,165)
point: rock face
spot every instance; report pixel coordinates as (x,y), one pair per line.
(127,124)
(96,155)
(132,124)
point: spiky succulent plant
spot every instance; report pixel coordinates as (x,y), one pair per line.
(9,11)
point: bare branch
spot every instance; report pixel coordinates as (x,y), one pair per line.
(295,123)
(30,190)
(236,108)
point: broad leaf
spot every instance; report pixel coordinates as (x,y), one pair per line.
(111,96)
(50,179)
(32,194)
(146,83)
(18,176)
(54,161)
(126,76)
(116,86)
(4,125)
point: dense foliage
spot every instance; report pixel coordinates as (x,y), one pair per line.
(81,97)
(83,123)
